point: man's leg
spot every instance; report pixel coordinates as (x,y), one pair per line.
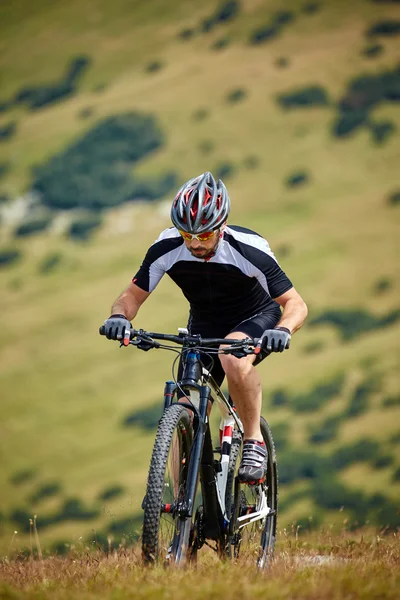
(245,389)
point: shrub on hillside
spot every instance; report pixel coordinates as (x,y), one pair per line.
(283,17)
(265,33)
(4,169)
(110,492)
(351,323)
(280,398)
(325,431)
(396,474)
(236,96)
(146,418)
(95,171)
(225,170)
(297,179)
(359,401)
(313,95)
(200,114)
(383,461)
(382,130)
(280,434)
(363,450)
(221,44)
(384,284)
(206,146)
(50,262)
(9,256)
(310,8)
(153,187)
(372,50)
(330,494)
(23,476)
(348,122)
(82,229)
(282,62)
(7,131)
(318,396)
(394,198)
(387,27)
(45,490)
(32,226)
(38,96)
(251,162)
(186,34)
(298,464)
(391,401)
(154,66)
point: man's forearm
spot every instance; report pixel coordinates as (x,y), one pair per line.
(127,305)
(294,314)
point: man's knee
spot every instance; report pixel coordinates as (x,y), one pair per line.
(236,368)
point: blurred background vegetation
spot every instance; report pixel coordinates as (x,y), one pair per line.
(105,109)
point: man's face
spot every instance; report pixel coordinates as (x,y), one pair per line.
(202,249)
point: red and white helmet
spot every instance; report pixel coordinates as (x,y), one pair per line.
(202,204)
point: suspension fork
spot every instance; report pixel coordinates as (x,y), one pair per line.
(186,507)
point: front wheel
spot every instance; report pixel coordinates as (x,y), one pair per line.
(255,540)
(165,534)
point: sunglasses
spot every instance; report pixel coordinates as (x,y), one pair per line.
(202,237)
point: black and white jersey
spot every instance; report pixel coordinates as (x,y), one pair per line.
(241,279)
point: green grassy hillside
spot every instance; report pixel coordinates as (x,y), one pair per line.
(66,392)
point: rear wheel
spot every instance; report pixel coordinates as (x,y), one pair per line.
(255,541)
(165,534)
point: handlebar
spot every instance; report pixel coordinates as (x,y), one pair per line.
(148,338)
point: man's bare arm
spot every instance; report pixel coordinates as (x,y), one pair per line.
(129,302)
(294,310)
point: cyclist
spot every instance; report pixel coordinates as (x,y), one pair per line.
(235,288)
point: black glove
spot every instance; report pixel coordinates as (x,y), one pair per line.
(114,327)
(275,340)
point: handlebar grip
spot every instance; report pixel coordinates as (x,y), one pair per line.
(102,330)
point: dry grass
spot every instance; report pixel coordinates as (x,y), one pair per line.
(362,565)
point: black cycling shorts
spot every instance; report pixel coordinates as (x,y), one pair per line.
(253,327)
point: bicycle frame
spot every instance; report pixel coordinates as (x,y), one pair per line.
(202,388)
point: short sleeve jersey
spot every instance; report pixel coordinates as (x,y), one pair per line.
(240,280)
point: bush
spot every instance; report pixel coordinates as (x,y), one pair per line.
(383,285)
(318,396)
(74,510)
(360,399)
(7,131)
(352,323)
(282,62)
(310,8)
(86,113)
(387,27)
(296,179)
(95,171)
(153,188)
(284,17)
(348,122)
(33,226)
(297,464)
(313,95)
(391,401)
(224,171)
(223,13)
(220,44)
(4,169)
(382,461)
(146,418)
(280,398)
(23,476)
(42,95)
(359,451)
(372,50)
(186,34)
(50,262)
(9,256)
(82,229)
(206,146)
(280,433)
(237,95)
(381,131)
(394,198)
(264,34)
(396,474)
(154,66)
(326,431)
(328,493)
(111,492)
(45,490)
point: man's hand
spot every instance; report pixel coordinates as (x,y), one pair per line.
(275,340)
(114,327)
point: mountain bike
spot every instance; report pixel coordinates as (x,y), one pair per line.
(193,495)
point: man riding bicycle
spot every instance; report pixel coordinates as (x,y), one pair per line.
(235,289)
